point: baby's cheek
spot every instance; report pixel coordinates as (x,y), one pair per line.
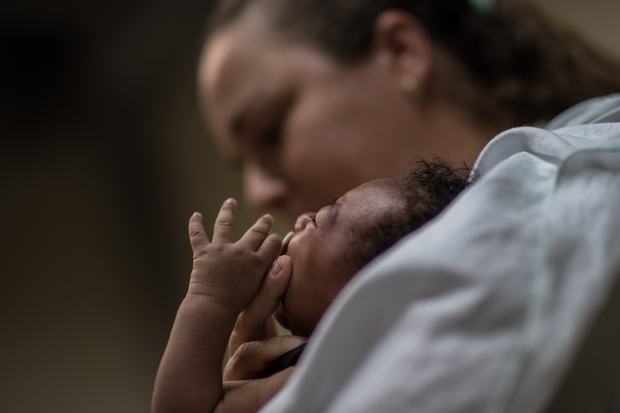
(295,305)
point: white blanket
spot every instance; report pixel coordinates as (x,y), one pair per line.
(483,308)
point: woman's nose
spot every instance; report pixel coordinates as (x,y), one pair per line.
(264,191)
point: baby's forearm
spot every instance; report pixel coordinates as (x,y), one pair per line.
(190,374)
(225,277)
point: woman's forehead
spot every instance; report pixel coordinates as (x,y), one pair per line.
(223,65)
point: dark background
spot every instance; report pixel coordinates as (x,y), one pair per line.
(103,157)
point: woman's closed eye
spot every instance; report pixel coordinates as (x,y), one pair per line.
(276,118)
(271,137)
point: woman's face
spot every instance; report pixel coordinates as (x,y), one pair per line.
(302,128)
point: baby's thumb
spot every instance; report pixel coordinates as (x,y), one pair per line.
(275,283)
(273,287)
(251,323)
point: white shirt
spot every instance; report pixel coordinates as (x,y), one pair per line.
(483,308)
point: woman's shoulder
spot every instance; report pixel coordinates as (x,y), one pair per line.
(595,110)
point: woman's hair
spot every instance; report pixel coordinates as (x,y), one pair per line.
(524,68)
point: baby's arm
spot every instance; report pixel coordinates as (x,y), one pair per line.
(224,279)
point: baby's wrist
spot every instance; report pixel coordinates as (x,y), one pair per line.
(206,305)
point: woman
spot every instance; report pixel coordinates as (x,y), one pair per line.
(313,98)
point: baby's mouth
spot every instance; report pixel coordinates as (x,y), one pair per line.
(285,242)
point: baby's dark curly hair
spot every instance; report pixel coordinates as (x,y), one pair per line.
(428,188)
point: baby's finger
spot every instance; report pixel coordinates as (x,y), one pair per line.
(274,285)
(251,324)
(197,236)
(241,334)
(270,248)
(223,227)
(251,358)
(256,234)
(266,300)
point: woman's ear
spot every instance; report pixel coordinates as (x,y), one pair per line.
(402,45)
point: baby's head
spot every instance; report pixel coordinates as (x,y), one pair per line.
(329,247)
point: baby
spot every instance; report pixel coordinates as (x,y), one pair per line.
(326,250)
(332,245)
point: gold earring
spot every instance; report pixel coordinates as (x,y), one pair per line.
(410,85)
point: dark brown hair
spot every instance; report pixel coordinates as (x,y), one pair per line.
(524,68)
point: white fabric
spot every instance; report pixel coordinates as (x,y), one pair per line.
(482,309)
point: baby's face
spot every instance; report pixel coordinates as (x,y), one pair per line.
(319,249)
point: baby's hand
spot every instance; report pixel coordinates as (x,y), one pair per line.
(228,272)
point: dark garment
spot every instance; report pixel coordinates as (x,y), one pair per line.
(284,361)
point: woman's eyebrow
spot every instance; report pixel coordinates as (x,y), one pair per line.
(278,106)
(241,117)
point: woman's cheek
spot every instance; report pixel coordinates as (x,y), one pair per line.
(299,161)
(306,182)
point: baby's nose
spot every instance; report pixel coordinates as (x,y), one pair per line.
(303,220)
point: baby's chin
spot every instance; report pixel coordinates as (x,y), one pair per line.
(281,317)
(288,321)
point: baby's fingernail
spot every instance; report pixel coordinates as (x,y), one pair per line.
(277,267)
(230,201)
(197,214)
